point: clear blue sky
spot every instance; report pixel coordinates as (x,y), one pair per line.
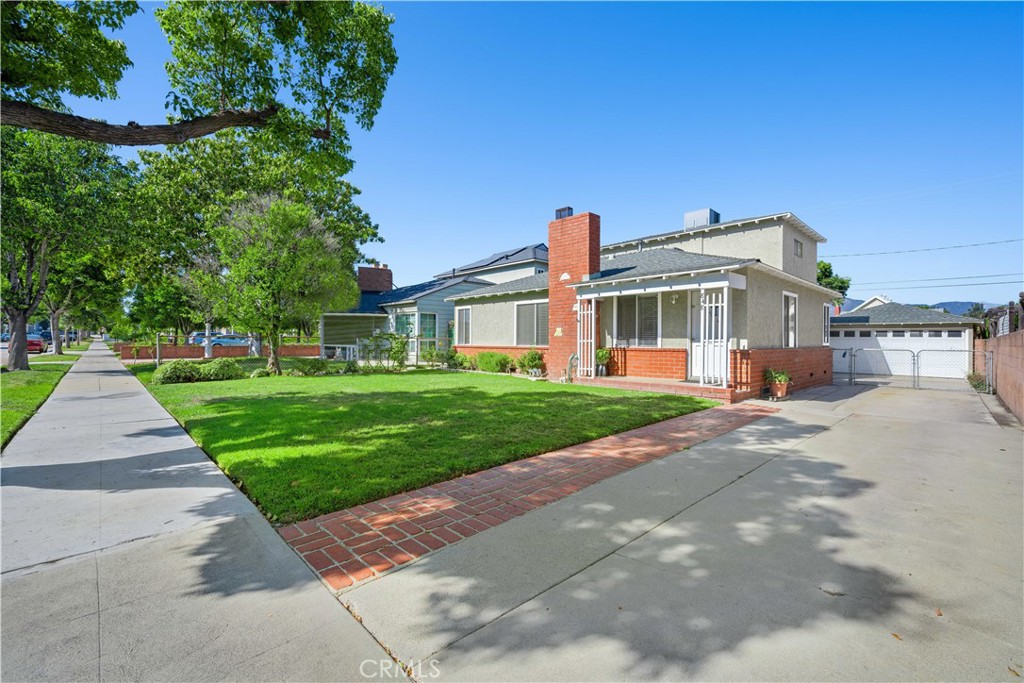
(885,127)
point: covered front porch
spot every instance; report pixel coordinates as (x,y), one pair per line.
(672,332)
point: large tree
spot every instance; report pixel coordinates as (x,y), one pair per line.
(78,282)
(837,283)
(298,68)
(281,262)
(60,196)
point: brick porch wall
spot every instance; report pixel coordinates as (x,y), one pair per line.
(809,367)
(639,362)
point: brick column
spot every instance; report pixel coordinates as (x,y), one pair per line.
(574,249)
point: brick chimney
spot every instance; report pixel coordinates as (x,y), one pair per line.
(574,252)
(375,279)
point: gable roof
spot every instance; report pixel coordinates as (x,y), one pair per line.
(531,283)
(635,265)
(654,262)
(900,314)
(374,302)
(786,217)
(531,252)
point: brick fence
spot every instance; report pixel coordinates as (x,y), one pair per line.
(1007,368)
(808,367)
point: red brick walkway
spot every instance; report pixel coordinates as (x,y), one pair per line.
(365,541)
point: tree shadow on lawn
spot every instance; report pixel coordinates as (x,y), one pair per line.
(654,574)
(302,455)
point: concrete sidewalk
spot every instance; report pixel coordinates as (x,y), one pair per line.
(856,535)
(128,555)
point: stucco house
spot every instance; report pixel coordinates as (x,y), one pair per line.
(420,310)
(892,335)
(707,307)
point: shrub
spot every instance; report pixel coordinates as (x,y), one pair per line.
(492,361)
(311,367)
(531,360)
(177,372)
(261,372)
(458,360)
(350,367)
(603,356)
(220,370)
(978,381)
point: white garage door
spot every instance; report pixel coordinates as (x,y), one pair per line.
(893,351)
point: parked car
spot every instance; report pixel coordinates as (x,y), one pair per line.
(45,334)
(36,344)
(230,340)
(5,337)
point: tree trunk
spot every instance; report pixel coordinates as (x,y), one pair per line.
(55,332)
(207,346)
(17,350)
(273,361)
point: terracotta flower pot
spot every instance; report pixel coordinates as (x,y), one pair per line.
(779,389)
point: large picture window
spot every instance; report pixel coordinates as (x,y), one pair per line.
(462,320)
(789,324)
(637,321)
(405,323)
(532,324)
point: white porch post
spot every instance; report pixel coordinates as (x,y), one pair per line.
(703,336)
(727,333)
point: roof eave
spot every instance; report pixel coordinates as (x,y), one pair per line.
(786,216)
(662,276)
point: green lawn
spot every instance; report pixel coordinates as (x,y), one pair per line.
(21,394)
(50,358)
(304,446)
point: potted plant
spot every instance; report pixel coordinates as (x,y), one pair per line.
(602,357)
(778,381)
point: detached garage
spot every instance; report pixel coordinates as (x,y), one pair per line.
(890,338)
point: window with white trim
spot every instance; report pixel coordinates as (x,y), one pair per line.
(405,323)
(789,322)
(826,323)
(532,324)
(637,321)
(462,320)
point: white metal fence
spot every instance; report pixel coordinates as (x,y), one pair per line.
(942,369)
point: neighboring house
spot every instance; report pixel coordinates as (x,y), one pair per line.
(711,305)
(419,310)
(893,334)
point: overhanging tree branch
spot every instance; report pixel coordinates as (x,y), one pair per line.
(25,115)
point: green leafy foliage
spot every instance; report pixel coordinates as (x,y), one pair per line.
(312,367)
(220,369)
(460,360)
(603,356)
(773,376)
(492,361)
(261,372)
(177,372)
(827,278)
(531,360)
(51,48)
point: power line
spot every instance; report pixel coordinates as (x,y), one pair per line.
(965,284)
(939,279)
(913,251)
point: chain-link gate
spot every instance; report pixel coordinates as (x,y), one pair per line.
(885,367)
(940,369)
(842,366)
(953,370)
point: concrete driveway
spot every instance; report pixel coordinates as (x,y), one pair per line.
(859,534)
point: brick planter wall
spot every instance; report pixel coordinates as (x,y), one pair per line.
(195,351)
(638,362)
(809,367)
(1007,369)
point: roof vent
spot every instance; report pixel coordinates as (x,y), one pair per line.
(692,220)
(564,212)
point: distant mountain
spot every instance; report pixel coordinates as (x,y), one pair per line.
(954,307)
